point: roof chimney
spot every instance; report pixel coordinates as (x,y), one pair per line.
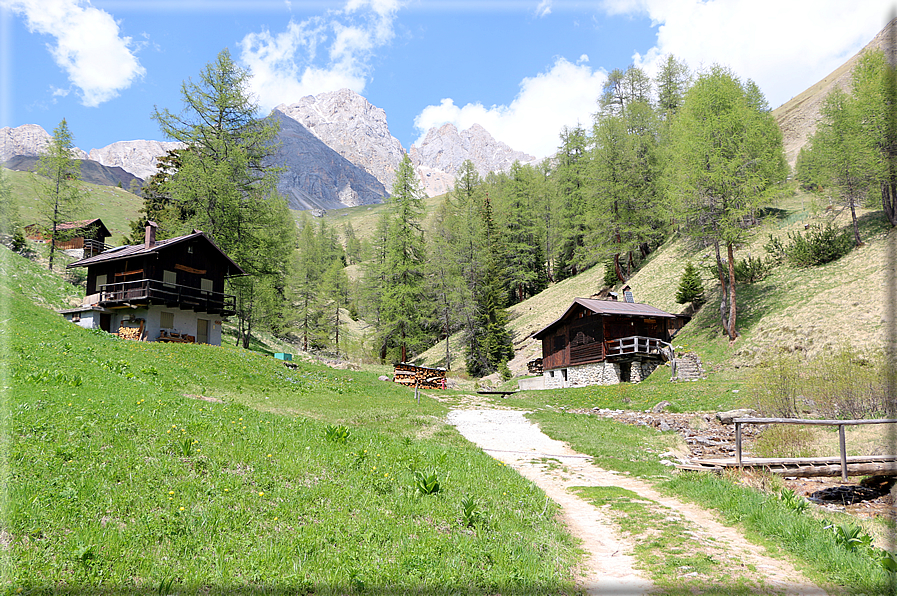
(627,294)
(149,239)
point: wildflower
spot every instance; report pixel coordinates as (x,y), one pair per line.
(171,492)
(181,509)
(261,494)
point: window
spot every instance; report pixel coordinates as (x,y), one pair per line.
(169,278)
(166,320)
(100,282)
(206,285)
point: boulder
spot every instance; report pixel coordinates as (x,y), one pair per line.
(727,417)
(383,378)
(661,407)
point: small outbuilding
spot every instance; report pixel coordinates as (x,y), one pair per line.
(605,342)
(87,236)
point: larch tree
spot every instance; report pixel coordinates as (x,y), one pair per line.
(58,186)
(224,181)
(726,161)
(571,180)
(405,306)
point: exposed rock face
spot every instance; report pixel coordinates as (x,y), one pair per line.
(444,149)
(136,157)
(316,176)
(354,128)
(29,140)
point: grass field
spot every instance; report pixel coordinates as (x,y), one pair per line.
(137,467)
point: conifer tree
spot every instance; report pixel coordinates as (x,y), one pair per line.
(58,186)
(404,301)
(691,288)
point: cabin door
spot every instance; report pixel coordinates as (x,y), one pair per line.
(202,331)
(106,322)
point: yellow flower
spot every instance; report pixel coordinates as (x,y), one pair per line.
(182,509)
(226,490)
(269,455)
(171,492)
(261,494)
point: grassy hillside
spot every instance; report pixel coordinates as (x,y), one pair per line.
(792,309)
(145,467)
(116,207)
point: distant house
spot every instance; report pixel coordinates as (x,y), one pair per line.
(87,235)
(166,290)
(604,342)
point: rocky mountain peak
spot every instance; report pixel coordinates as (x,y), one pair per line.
(440,155)
(353,127)
(136,157)
(28,140)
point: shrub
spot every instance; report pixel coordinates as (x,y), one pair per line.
(751,269)
(785,440)
(820,245)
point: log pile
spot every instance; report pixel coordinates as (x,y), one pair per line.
(534,367)
(419,376)
(135,333)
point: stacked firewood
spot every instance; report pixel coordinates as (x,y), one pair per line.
(135,333)
(534,367)
(419,376)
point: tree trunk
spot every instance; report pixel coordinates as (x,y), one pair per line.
(889,200)
(731,328)
(724,300)
(856,226)
(617,269)
(448,356)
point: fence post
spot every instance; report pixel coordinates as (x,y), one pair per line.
(738,444)
(842,445)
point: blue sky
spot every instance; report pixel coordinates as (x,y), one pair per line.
(523,69)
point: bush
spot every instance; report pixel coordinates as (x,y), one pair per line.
(751,269)
(820,245)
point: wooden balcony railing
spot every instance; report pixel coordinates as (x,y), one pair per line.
(635,344)
(172,295)
(94,247)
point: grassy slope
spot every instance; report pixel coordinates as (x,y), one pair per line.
(116,207)
(804,310)
(117,479)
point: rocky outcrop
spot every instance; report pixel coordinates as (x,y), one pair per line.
(136,157)
(353,127)
(444,149)
(29,140)
(317,177)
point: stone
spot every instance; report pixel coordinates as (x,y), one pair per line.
(383,378)
(727,417)
(663,426)
(661,407)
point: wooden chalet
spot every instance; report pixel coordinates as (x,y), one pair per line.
(87,235)
(603,342)
(166,290)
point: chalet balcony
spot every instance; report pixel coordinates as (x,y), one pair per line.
(636,346)
(151,291)
(94,247)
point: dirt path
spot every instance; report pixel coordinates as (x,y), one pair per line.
(509,437)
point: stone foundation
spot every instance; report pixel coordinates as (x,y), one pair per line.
(598,373)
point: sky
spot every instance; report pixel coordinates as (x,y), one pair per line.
(522,69)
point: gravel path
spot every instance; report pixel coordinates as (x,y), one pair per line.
(509,437)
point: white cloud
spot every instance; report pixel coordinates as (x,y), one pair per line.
(89,47)
(324,53)
(785,46)
(544,8)
(565,95)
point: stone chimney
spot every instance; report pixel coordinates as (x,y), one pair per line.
(149,239)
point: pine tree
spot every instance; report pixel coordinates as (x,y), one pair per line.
(58,185)
(691,288)
(405,306)
(224,183)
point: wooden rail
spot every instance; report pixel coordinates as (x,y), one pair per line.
(634,345)
(839,423)
(184,297)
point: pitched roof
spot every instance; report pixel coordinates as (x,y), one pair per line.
(610,308)
(137,250)
(81,223)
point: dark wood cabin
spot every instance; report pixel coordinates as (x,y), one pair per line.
(592,331)
(186,272)
(87,234)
